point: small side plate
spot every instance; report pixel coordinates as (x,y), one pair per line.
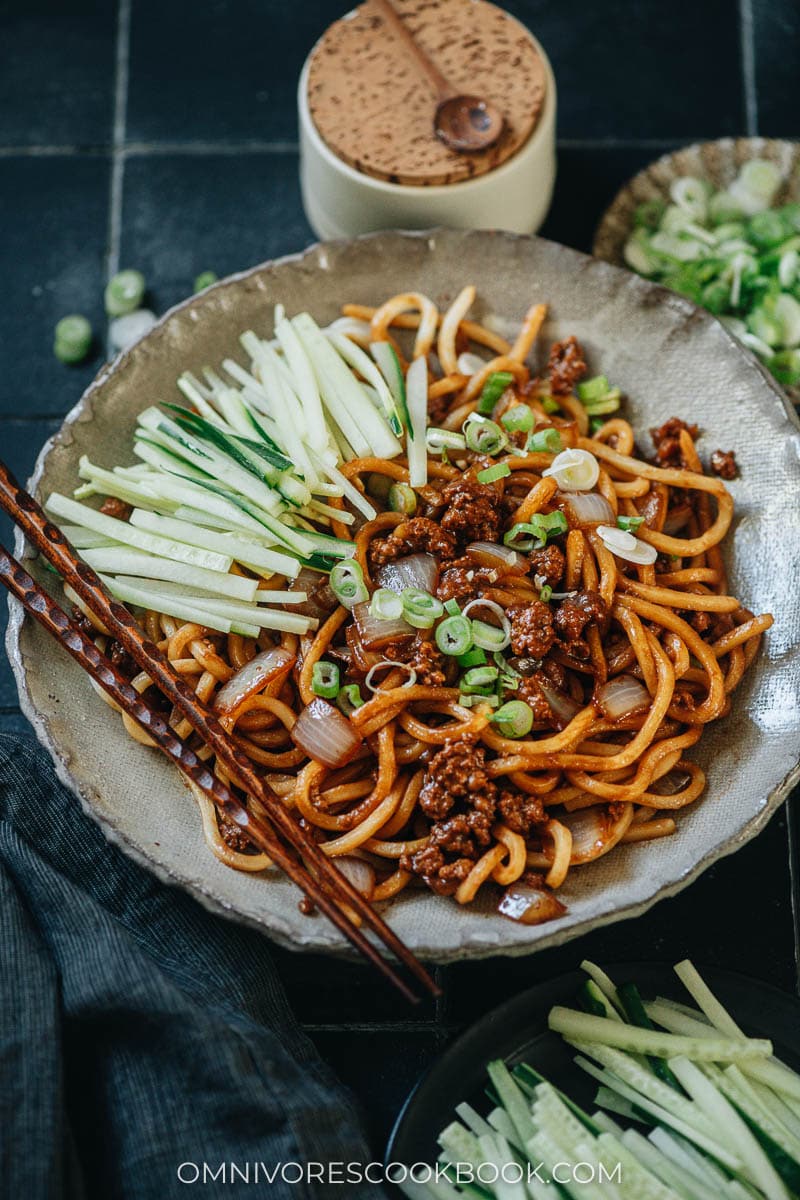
(517,1032)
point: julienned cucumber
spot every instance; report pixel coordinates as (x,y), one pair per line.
(385,356)
(584,1027)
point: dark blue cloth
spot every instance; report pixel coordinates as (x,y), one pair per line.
(138,1032)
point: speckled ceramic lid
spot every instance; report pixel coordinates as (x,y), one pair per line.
(374,106)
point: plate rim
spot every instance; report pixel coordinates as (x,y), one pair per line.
(276,929)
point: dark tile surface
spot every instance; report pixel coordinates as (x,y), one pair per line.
(53,214)
(191,213)
(776,29)
(220,69)
(56,72)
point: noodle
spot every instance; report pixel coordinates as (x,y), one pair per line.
(436,790)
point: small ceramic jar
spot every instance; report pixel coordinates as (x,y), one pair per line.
(369,158)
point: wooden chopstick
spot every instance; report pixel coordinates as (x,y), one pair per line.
(25,511)
(68,634)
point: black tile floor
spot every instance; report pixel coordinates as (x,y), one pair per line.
(163,136)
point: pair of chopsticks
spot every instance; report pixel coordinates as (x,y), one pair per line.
(287,843)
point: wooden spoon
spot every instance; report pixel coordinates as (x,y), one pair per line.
(464,123)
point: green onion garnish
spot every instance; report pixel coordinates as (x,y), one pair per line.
(72,339)
(549,404)
(491,474)
(533,534)
(443,439)
(478,678)
(629,524)
(484,436)
(325,680)
(402,499)
(349,699)
(420,608)
(454,636)
(593,389)
(489,637)
(595,425)
(471,701)
(347,583)
(545,441)
(514,719)
(518,419)
(545,593)
(452,607)
(473,658)
(204,280)
(493,389)
(124,293)
(386,605)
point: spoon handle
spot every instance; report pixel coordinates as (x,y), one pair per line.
(390,14)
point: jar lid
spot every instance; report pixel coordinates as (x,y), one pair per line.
(374,106)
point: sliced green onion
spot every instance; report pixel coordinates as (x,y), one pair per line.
(785,366)
(550,404)
(347,583)
(493,389)
(608,403)
(545,441)
(629,524)
(402,499)
(386,605)
(124,293)
(72,339)
(484,436)
(379,486)
(452,607)
(515,719)
(325,680)
(491,474)
(204,280)
(478,678)
(533,534)
(420,608)
(454,636)
(489,637)
(349,698)
(518,419)
(593,389)
(595,425)
(444,439)
(473,658)
(472,701)
(546,593)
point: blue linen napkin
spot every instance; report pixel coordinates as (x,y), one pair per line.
(144,1042)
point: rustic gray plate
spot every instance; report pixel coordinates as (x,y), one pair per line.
(668,357)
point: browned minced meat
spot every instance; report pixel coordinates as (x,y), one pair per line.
(574,614)
(419,535)
(549,563)
(520,811)
(463,580)
(112,507)
(428,661)
(532,631)
(530,690)
(456,772)
(723,463)
(566,366)
(121,659)
(472,510)
(231,834)
(667,444)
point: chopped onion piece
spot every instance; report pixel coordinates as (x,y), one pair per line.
(320,601)
(626,546)
(417,571)
(587,508)
(490,554)
(325,735)
(504,628)
(390,662)
(574,470)
(252,678)
(563,707)
(470,364)
(594,831)
(360,873)
(375,632)
(668,785)
(529,905)
(621,696)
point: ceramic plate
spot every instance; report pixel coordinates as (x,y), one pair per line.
(668,357)
(517,1032)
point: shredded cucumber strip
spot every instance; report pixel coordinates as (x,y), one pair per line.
(236,547)
(127,561)
(705,999)
(174,606)
(584,1027)
(234,611)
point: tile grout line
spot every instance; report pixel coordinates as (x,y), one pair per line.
(117,150)
(747,47)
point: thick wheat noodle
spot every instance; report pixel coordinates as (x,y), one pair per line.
(214,839)
(676,649)
(678,799)
(619,429)
(639,644)
(752,628)
(697,602)
(448,385)
(508,872)
(531,325)
(468,889)
(646,770)
(605,486)
(607,565)
(536,499)
(446,342)
(561,837)
(577,412)
(429,319)
(647,831)
(407,320)
(406,807)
